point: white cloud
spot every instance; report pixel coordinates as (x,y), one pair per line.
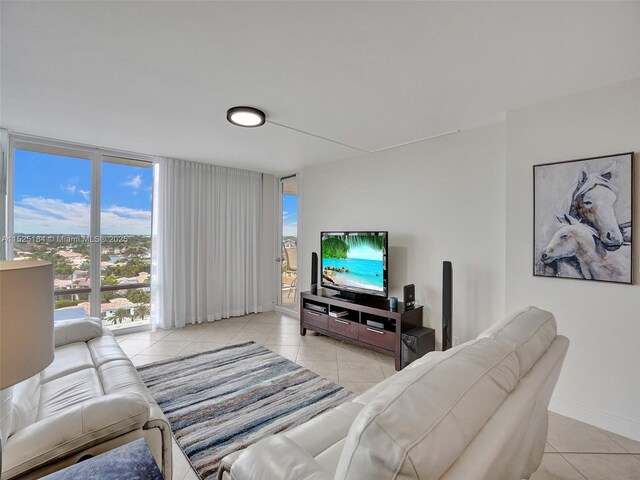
(134,182)
(118,220)
(50,215)
(290,229)
(72,189)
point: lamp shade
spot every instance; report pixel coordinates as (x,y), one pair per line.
(26,319)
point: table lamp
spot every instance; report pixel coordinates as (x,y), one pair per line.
(26,326)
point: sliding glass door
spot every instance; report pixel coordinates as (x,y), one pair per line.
(288,274)
(90,215)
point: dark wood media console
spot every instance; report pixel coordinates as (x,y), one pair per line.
(353,327)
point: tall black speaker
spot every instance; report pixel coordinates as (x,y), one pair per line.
(314,273)
(447,305)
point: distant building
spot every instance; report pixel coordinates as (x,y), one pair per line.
(82,283)
(22,255)
(78,274)
(59,284)
(143,277)
(108,309)
(69,255)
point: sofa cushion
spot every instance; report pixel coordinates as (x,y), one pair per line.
(26,398)
(121,376)
(58,395)
(528,332)
(75,330)
(105,349)
(68,359)
(277,457)
(448,399)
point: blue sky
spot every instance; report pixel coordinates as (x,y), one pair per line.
(52,195)
(289,215)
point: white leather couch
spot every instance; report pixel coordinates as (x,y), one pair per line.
(88,401)
(475,412)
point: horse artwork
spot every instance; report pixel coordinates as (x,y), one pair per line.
(583,216)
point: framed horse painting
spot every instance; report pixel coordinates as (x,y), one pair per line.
(583,214)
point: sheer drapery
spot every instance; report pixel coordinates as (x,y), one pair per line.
(205,244)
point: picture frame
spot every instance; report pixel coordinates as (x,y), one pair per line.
(583,219)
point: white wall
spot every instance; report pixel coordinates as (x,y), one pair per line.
(600,383)
(269,221)
(468,198)
(440,199)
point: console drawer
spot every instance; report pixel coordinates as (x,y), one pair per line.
(343,327)
(315,319)
(380,338)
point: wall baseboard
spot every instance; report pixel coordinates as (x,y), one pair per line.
(612,423)
(287,311)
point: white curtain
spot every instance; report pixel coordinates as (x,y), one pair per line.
(206,243)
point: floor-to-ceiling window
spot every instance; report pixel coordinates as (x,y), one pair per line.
(88,213)
(125,254)
(288,292)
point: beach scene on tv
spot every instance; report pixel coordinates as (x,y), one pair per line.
(353,261)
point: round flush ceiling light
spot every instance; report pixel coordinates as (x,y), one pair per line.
(245,116)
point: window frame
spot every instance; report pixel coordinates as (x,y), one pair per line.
(95,155)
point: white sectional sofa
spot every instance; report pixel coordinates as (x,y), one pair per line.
(475,412)
(88,401)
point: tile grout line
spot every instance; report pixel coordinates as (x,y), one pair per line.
(131,358)
(573,466)
(606,433)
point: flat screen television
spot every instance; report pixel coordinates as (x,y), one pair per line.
(354,263)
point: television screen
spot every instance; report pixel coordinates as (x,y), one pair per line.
(355,261)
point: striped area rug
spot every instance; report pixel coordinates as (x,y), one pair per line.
(221,401)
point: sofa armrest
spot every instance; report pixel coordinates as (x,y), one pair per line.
(75,330)
(77,428)
(158,423)
(275,457)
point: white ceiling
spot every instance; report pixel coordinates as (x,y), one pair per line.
(157,78)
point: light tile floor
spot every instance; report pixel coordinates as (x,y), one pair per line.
(574,451)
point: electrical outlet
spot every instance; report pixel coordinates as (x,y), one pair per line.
(456,341)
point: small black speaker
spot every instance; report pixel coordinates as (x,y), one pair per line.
(447,305)
(409,296)
(314,273)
